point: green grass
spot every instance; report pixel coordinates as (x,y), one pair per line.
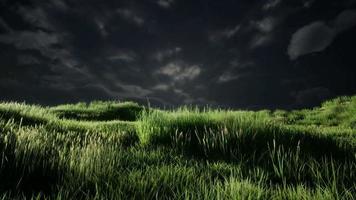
(114,150)
(99,111)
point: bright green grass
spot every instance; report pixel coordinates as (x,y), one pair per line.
(336,112)
(90,151)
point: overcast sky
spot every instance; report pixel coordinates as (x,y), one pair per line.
(230,53)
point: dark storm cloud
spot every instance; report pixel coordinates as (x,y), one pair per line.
(74,67)
(171,52)
(317,36)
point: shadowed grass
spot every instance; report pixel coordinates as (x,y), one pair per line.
(99,111)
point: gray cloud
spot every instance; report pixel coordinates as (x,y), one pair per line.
(123,55)
(82,79)
(29,40)
(117,87)
(180,71)
(161,87)
(4,26)
(36,16)
(308,3)
(131,16)
(39,41)
(265,28)
(317,36)
(163,54)
(72,70)
(27,60)
(235,71)
(102,27)
(260,40)
(271,4)
(165,3)
(160,49)
(227,76)
(265,25)
(228,33)
(314,37)
(345,20)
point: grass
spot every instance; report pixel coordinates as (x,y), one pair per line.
(99,111)
(114,150)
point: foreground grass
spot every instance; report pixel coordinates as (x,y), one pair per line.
(88,152)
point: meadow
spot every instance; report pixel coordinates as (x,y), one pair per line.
(122,150)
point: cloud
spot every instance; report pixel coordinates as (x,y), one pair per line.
(27,60)
(260,40)
(131,16)
(162,87)
(36,16)
(235,71)
(177,88)
(161,55)
(42,42)
(105,85)
(131,91)
(308,3)
(179,71)
(271,4)
(123,55)
(4,26)
(265,25)
(101,27)
(265,28)
(59,5)
(345,20)
(165,3)
(231,32)
(314,37)
(317,36)
(29,40)
(228,33)
(118,88)
(187,98)
(227,76)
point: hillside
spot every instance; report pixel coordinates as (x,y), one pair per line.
(121,150)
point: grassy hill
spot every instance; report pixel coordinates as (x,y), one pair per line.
(121,150)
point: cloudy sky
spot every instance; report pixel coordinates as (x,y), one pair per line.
(230,53)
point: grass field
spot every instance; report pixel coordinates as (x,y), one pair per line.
(113,150)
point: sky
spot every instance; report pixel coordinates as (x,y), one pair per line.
(245,54)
